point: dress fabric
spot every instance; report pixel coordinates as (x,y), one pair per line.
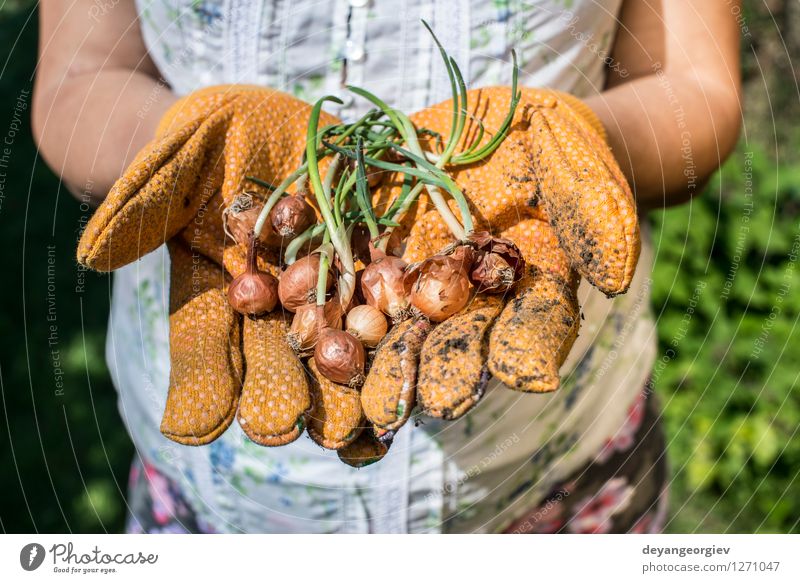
(477,474)
(621,490)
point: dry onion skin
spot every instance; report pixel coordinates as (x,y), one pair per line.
(340,357)
(439,287)
(383,287)
(368,324)
(298,283)
(241,216)
(291,216)
(464,254)
(499,264)
(309,320)
(253,292)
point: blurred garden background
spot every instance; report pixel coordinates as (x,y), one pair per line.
(726,291)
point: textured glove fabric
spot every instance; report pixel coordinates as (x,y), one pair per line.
(175,191)
(554,188)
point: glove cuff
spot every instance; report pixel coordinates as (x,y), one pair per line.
(585,112)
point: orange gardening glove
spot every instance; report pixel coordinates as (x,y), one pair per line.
(554,188)
(175,192)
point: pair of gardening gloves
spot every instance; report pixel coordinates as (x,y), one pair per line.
(552,187)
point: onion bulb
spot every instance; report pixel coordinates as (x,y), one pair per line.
(465,255)
(241,216)
(499,265)
(298,284)
(253,292)
(439,287)
(383,288)
(340,357)
(291,216)
(368,324)
(309,320)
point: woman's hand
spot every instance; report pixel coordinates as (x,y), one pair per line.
(672,108)
(97,97)
(554,190)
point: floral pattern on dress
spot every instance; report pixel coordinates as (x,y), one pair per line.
(167,509)
(624,492)
(623,439)
(633,500)
(595,512)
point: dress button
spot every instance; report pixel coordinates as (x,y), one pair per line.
(355,52)
(358,3)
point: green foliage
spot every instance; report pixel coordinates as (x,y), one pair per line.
(65,453)
(729,261)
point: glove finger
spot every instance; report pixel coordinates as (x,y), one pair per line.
(275,396)
(452,368)
(586,197)
(335,418)
(366,449)
(205,233)
(535,332)
(388,394)
(159,194)
(539,246)
(206,361)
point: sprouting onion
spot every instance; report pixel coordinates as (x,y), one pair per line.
(385,139)
(336,230)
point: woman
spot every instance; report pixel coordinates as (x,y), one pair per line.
(663,79)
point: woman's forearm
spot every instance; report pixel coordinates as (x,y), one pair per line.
(97,98)
(93,125)
(672,105)
(669,133)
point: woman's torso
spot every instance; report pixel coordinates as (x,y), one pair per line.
(475,474)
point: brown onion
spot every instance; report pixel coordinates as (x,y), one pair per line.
(383,288)
(500,264)
(492,274)
(368,324)
(253,292)
(241,216)
(298,284)
(340,357)
(309,320)
(291,216)
(439,287)
(465,255)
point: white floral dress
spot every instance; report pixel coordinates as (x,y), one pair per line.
(477,474)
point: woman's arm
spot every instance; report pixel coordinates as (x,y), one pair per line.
(672,106)
(97,97)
